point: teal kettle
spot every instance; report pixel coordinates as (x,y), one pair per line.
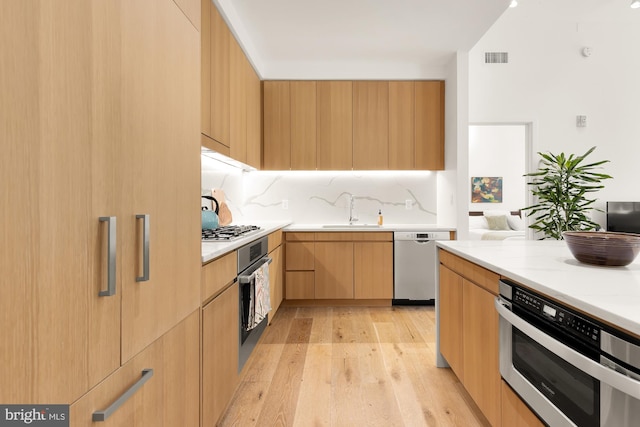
(210,219)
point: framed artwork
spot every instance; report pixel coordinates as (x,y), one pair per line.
(486,189)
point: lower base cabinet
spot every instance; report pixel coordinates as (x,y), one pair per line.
(220,343)
(168,396)
(515,413)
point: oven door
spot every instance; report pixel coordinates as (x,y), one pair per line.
(560,384)
(254,306)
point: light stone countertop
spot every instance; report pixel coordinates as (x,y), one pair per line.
(212,250)
(611,294)
(366,227)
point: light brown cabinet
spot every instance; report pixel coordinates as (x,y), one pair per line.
(339,266)
(370,125)
(372,271)
(231,93)
(215,78)
(168,396)
(515,413)
(334,270)
(220,328)
(429,125)
(469,330)
(480,349)
(451,320)
(289,125)
(276,272)
(360,125)
(97,103)
(334,125)
(277,125)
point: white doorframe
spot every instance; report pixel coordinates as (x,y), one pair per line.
(530,159)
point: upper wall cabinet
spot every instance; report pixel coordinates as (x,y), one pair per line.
(231,119)
(361,125)
(290,125)
(370,125)
(334,125)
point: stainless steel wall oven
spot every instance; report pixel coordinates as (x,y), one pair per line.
(569,368)
(253,267)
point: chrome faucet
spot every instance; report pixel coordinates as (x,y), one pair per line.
(352,217)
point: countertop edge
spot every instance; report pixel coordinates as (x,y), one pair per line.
(584,302)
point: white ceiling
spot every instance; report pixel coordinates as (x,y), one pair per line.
(404,39)
(389,38)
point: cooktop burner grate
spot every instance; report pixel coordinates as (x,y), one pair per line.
(229,232)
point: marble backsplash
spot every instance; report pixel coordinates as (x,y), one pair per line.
(323,196)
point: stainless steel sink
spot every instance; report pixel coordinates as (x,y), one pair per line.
(350,226)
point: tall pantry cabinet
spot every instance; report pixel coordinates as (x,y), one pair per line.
(99,113)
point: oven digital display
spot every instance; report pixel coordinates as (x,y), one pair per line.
(549,311)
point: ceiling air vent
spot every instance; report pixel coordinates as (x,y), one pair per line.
(496,57)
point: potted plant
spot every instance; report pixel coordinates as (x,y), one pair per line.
(560,186)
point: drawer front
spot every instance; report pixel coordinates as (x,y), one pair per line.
(354,236)
(300,237)
(169,396)
(275,240)
(217,274)
(473,272)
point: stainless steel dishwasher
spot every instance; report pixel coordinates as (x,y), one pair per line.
(415,267)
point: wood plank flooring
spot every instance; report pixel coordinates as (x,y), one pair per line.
(349,366)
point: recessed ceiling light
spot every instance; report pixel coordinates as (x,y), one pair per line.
(635,4)
(514,3)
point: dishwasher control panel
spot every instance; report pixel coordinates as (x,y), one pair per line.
(421,235)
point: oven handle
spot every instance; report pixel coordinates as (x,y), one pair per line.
(251,271)
(605,374)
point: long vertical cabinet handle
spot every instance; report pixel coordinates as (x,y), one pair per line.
(145,251)
(103,415)
(111,256)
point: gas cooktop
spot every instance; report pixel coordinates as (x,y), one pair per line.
(228,233)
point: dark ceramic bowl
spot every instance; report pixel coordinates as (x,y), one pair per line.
(603,248)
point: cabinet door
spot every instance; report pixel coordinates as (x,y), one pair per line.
(303,125)
(277,126)
(238,102)
(161,140)
(59,127)
(276,272)
(254,117)
(300,256)
(335,125)
(451,320)
(370,125)
(334,270)
(220,80)
(205,67)
(480,344)
(515,413)
(300,285)
(429,125)
(373,270)
(401,125)
(220,341)
(170,396)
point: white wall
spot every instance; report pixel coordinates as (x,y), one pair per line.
(547,81)
(498,151)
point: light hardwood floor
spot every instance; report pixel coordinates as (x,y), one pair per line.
(350,366)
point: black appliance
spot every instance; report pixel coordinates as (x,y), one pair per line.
(570,369)
(623,217)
